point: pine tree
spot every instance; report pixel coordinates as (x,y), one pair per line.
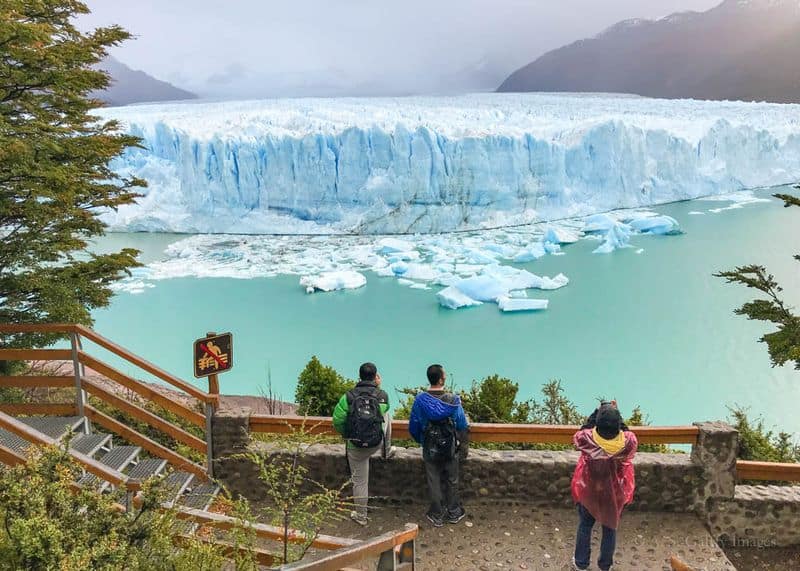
(783,344)
(54,167)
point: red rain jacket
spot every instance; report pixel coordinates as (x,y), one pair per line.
(603,484)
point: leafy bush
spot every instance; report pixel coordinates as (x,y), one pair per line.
(758,443)
(319,388)
(46,524)
(555,408)
(494,399)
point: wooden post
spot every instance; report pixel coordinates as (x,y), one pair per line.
(213,389)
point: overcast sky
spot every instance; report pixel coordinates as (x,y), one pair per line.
(252,48)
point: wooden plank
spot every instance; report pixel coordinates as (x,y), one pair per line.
(358,552)
(154,448)
(9,457)
(35,354)
(224,522)
(49,409)
(37,327)
(140,388)
(753,470)
(143,364)
(144,415)
(32,382)
(482,432)
(89,464)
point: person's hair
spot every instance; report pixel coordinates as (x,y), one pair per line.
(367,372)
(435,374)
(608,421)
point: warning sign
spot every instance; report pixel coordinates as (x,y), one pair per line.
(213,355)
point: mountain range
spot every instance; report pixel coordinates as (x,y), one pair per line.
(133,86)
(745,50)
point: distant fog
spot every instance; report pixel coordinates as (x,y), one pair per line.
(253,48)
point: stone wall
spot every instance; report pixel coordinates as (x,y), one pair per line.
(665,482)
(757,516)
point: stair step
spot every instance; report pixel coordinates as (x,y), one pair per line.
(53,426)
(147,468)
(117,458)
(90,444)
(176,483)
(201,496)
(14,442)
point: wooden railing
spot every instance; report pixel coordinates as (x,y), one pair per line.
(84,385)
(481,432)
(539,434)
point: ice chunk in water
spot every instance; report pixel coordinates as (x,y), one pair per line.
(560,235)
(532,252)
(664,225)
(617,236)
(452,298)
(393,245)
(331,281)
(599,223)
(484,287)
(517,304)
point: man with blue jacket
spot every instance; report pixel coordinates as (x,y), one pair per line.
(437,418)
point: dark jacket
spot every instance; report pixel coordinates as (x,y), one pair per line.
(342,409)
(437,406)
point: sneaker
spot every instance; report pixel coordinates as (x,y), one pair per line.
(390,452)
(437,521)
(457,516)
(576,568)
(358,518)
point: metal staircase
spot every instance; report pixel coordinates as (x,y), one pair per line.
(182,488)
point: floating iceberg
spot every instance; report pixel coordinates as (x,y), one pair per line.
(662,225)
(433,164)
(452,298)
(496,283)
(616,237)
(560,235)
(517,304)
(332,281)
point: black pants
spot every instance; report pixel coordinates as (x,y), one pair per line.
(443,487)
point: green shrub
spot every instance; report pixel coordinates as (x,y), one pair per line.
(555,407)
(45,524)
(319,388)
(494,399)
(758,443)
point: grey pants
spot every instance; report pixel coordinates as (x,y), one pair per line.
(358,460)
(443,487)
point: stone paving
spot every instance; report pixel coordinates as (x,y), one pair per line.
(516,536)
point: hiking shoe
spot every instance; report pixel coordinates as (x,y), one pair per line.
(358,518)
(456,516)
(576,568)
(436,520)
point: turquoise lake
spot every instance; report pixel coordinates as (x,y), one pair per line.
(654,329)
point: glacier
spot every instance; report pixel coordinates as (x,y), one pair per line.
(437,164)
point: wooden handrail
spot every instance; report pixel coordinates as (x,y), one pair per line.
(9,457)
(86,462)
(154,448)
(35,354)
(220,521)
(481,432)
(144,365)
(140,388)
(777,471)
(33,382)
(37,328)
(144,415)
(358,552)
(34,408)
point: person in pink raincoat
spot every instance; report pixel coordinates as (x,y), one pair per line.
(603,482)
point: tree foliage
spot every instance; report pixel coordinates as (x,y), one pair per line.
(756,442)
(494,399)
(54,167)
(45,524)
(319,388)
(784,343)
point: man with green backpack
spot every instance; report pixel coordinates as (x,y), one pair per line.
(439,424)
(361,416)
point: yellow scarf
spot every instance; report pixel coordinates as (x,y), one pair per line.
(612,445)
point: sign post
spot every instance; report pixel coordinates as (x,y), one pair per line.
(213,355)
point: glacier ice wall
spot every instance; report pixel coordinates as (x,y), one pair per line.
(437,164)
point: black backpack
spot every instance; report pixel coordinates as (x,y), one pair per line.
(441,440)
(364,418)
